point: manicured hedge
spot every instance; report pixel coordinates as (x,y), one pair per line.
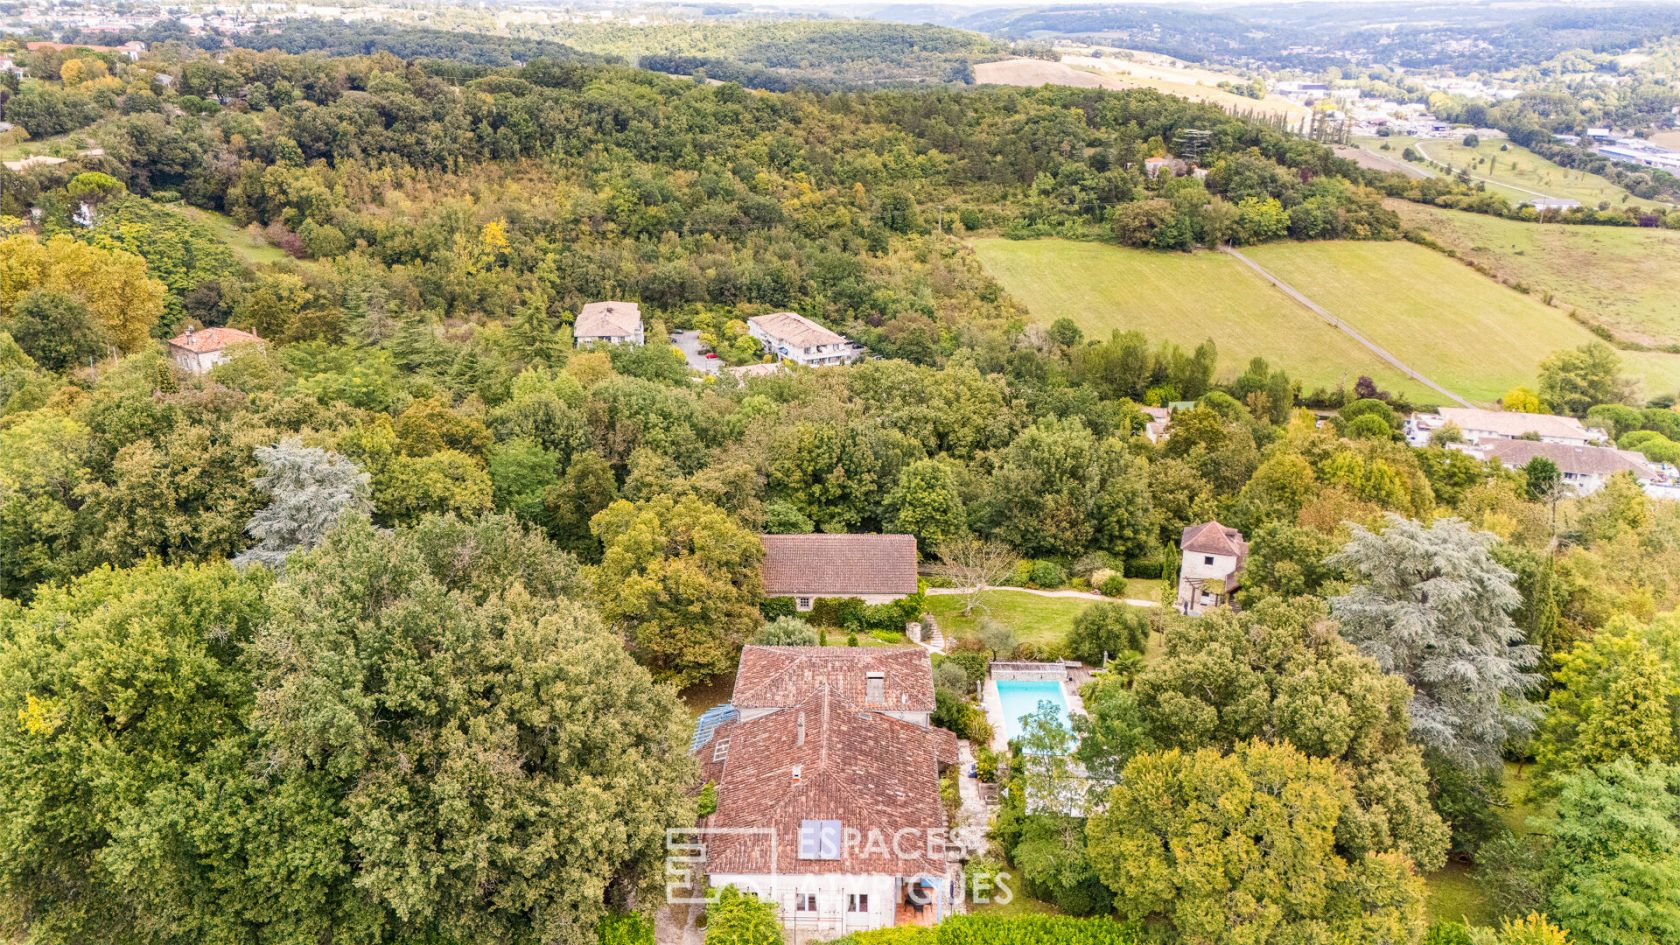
(988,930)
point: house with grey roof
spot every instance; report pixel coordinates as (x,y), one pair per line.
(1583,469)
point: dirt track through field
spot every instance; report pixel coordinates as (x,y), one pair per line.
(1344,327)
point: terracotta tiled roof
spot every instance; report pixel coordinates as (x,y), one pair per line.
(1212,538)
(777,676)
(206,340)
(1580,460)
(876,775)
(839,565)
(1513,424)
(795,330)
(608,320)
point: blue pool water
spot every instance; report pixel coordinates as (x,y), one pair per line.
(1020,698)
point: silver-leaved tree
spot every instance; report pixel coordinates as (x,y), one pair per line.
(1431,604)
(310,490)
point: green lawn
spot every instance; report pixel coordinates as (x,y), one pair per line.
(1455,895)
(1034,619)
(1455,891)
(1458,327)
(1625,278)
(1184,298)
(1516,173)
(251,249)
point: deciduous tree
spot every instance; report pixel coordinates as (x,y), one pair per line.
(680,580)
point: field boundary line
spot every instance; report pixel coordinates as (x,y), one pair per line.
(1342,326)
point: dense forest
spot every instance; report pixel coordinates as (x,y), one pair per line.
(373,632)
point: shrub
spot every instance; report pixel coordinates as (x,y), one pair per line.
(970,659)
(1143,568)
(951,676)
(1107,629)
(786,631)
(1447,933)
(1033,930)
(1115,586)
(741,919)
(774,607)
(1088,565)
(986,764)
(624,929)
(1047,574)
(707,804)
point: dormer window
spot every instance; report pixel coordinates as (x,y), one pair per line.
(875,687)
(720,749)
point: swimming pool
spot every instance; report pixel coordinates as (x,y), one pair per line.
(1020,698)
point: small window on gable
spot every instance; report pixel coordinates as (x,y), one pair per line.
(875,687)
(720,749)
(1207,559)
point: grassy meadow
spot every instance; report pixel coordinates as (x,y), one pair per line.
(250,248)
(1462,329)
(1517,173)
(1624,278)
(1034,619)
(1184,298)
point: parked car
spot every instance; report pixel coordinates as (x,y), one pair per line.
(711,355)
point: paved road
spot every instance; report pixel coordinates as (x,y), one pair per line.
(688,342)
(1084,595)
(1344,327)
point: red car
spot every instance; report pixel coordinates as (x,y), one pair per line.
(711,355)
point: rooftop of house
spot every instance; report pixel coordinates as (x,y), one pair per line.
(826,778)
(795,330)
(1510,423)
(608,320)
(1579,460)
(1212,538)
(206,340)
(772,677)
(838,565)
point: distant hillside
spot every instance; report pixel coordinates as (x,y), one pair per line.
(1468,36)
(359,39)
